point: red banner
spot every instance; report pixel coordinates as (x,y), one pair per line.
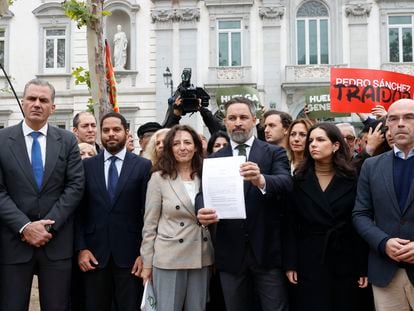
(360,90)
(110,78)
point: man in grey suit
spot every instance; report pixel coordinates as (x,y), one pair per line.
(41,184)
(384,213)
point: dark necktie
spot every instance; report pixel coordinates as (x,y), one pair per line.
(112,177)
(37,162)
(242,149)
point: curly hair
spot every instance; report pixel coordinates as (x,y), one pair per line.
(150,149)
(167,164)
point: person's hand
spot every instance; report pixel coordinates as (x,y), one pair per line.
(36,234)
(146,275)
(379,111)
(406,253)
(207,216)
(292,276)
(176,107)
(250,171)
(86,260)
(393,246)
(137,268)
(362,282)
(374,139)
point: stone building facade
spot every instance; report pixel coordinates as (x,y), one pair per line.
(279,47)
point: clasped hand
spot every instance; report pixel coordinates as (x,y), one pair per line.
(36,234)
(400,250)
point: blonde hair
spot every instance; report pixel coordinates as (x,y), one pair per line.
(87,147)
(150,152)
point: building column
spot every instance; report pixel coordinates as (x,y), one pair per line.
(271,17)
(357,15)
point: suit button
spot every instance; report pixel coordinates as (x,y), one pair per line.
(402,221)
(181,224)
(181,240)
(205,239)
(177,207)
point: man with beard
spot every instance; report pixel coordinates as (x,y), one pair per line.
(110,221)
(248,251)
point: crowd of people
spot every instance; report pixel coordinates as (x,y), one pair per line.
(328,224)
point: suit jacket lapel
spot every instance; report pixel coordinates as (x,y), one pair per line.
(53,146)
(309,184)
(99,168)
(339,187)
(387,173)
(17,145)
(410,197)
(127,168)
(179,189)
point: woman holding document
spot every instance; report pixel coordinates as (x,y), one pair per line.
(176,251)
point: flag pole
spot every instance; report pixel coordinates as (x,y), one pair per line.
(12,88)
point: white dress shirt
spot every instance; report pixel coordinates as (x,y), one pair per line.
(118,163)
(29,141)
(249,144)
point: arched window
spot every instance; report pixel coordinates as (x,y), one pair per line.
(312,33)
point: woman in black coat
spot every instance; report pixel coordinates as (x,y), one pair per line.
(324,255)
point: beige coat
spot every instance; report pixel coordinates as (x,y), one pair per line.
(172,238)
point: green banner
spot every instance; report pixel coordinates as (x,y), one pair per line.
(224,94)
(318,102)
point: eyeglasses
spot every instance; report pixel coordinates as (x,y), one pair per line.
(349,138)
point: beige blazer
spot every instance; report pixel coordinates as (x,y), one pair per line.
(172,237)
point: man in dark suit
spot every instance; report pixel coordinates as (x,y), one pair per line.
(248,252)
(109,226)
(384,213)
(41,184)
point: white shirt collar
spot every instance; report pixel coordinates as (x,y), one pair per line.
(27,129)
(398,153)
(248,142)
(120,155)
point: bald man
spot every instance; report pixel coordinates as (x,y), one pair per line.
(384,213)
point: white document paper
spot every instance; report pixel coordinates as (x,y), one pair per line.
(223,187)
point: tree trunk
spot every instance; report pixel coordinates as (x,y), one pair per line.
(96,61)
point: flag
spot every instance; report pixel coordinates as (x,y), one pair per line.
(110,77)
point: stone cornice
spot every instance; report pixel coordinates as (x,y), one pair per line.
(271,12)
(358,10)
(175,15)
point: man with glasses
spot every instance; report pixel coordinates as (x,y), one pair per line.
(384,213)
(348,133)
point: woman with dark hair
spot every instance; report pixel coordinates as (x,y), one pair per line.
(217,141)
(324,255)
(297,133)
(176,251)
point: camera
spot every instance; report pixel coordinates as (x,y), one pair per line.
(191,95)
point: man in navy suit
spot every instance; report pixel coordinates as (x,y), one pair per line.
(41,185)
(110,221)
(384,213)
(248,251)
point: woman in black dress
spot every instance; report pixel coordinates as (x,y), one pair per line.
(324,255)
